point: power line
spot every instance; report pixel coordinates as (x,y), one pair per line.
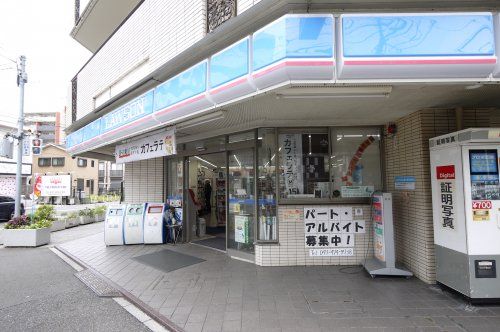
(6,57)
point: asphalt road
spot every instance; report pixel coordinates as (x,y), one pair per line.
(38,292)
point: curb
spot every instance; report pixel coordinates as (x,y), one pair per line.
(168,324)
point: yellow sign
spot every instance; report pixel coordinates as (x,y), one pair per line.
(481,215)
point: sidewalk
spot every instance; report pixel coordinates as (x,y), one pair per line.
(223,294)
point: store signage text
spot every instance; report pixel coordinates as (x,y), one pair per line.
(154,146)
(338,252)
(52,185)
(291,154)
(405,182)
(135,109)
(446,181)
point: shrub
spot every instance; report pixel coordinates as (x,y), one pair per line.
(25,222)
(44,212)
(18,222)
(100,210)
(86,212)
(43,223)
(72,215)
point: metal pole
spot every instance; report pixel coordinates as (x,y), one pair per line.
(21,79)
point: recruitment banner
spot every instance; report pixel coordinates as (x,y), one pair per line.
(154,146)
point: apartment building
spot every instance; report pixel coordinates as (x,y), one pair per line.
(46,125)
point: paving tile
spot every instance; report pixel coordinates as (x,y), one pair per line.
(193,327)
(196,317)
(222,293)
(212,327)
(231,326)
(232,315)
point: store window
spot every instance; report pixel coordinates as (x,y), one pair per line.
(355,162)
(267,229)
(175,182)
(58,161)
(304,164)
(81,162)
(43,162)
(242,137)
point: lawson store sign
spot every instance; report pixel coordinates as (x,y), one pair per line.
(303,47)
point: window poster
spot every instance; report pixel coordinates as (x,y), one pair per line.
(331,228)
(241,229)
(291,156)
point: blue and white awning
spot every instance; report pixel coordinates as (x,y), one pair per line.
(306,48)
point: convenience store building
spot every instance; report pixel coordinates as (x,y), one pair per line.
(290,113)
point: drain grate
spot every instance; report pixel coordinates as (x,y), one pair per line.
(97,284)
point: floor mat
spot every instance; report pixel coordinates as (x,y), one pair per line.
(168,260)
(214,242)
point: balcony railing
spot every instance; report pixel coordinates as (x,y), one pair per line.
(101,174)
(116,173)
(46,128)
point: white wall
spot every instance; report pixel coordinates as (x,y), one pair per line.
(155,33)
(143,181)
(243,5)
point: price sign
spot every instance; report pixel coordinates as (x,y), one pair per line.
(482,205)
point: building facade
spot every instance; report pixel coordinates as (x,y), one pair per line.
(110,177)
(8,167)
(55,160)
(281,110)
(46,125)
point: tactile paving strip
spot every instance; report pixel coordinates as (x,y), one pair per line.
(97,284)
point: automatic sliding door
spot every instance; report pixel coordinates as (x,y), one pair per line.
(241,199)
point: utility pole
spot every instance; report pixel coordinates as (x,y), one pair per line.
(22,78)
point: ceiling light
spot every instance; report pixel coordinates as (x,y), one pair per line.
(473,87)
(205,161)
(235,157)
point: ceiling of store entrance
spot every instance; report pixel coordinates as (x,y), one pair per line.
(269,110)
(218,159)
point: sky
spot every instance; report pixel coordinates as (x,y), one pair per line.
(40,30)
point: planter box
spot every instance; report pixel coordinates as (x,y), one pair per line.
(99,217)
(86,220)
(58,225)
(1,236)
(26,237)
(72,222)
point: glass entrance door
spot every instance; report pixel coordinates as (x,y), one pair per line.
(241,199)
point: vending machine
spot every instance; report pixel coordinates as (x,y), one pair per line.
(133,225)
(154,224)
(113,225)
(466,211)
